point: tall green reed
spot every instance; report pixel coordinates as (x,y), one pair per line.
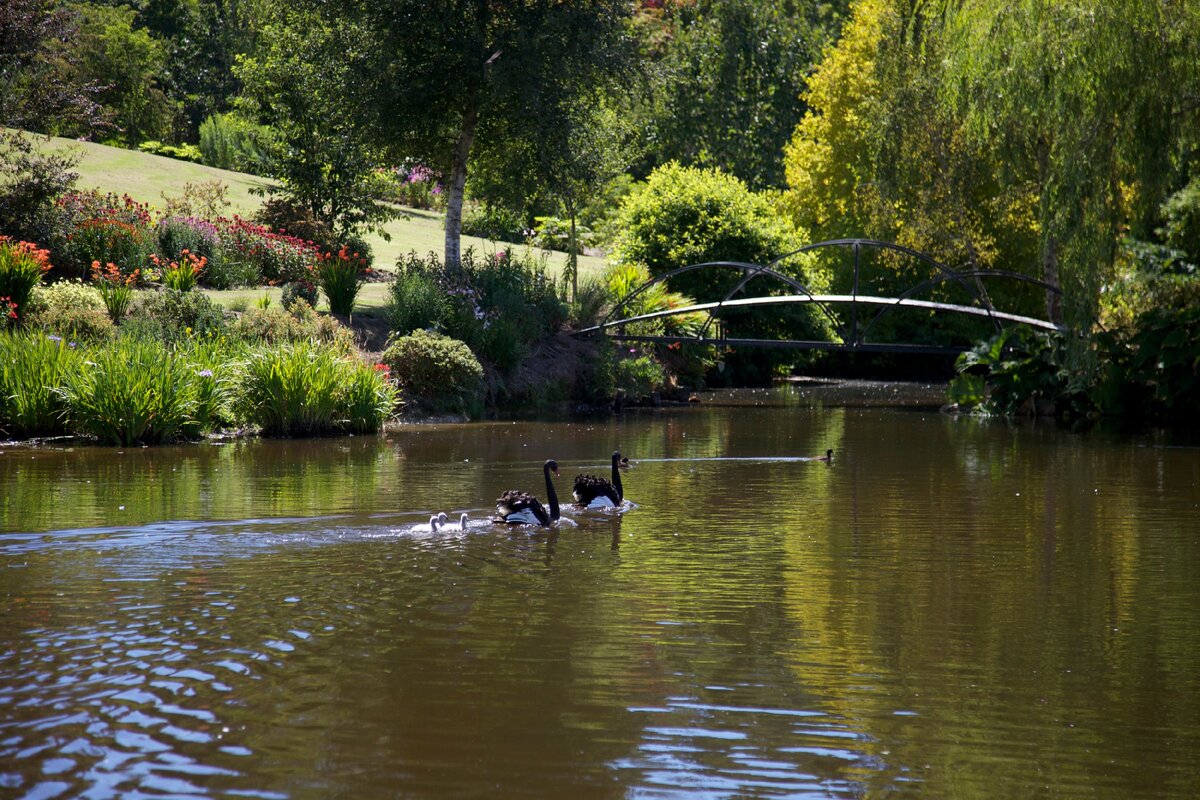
(33,368)
(304,389)
(133,391)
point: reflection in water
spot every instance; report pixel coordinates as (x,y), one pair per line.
(949,609)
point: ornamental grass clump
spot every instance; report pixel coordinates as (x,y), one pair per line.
(340,275)
(22,265)
(305,389)
(33,368)
(132,392)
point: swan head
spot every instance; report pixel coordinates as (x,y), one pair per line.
(829,455)
(552,465)
(624,464)
(442,518)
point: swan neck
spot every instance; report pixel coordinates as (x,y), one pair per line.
(551,495)
(616,479)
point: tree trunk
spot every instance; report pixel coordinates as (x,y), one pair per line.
(573,255)
(454,194)
(1050,276)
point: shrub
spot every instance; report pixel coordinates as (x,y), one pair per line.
(33,367)
(415,298)
(440,373)
(285,216)
(686,215)
(132,392)
(179,235)
(229,141)
(105,228)
(203,200)
(306,390)
(340,276)
(299,290)
(639,376)
(412,185)
(183,152)
(494,222)
(30,184)
(171,316)
(22,266)
(72,310)
(294,323)
(274,257)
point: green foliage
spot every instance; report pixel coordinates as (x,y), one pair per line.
(494,222)
(198,237)
(639,376)
(1159,367)
(72,310)
(308,390)
(726,75)
(294,291)
(415,298)
(293,323)
(303,82)
(181,275)
(229,141)
(33,366)
(340,276)
(1182,214)
(126,62)
(104,228)
(132,392)
(200,200)
(1020,371)
(30,183)
(22,266)
(116,289)
(248,248)
(183,152)
(171,316)
(436,371)
(520,69)
(685,215)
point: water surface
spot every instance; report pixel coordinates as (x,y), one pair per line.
(950,608)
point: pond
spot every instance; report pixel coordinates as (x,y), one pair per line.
(950,608)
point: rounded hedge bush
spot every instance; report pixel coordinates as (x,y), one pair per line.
(437,372)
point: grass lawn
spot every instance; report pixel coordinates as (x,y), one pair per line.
(147,178)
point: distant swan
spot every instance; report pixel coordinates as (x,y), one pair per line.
(827,457)
(591,491)
(521,508)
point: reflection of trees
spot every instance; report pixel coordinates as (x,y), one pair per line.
(976,576)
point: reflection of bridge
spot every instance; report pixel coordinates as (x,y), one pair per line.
(852,335)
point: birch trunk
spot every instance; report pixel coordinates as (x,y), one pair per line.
(454,194)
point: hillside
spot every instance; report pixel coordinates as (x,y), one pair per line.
(148,178)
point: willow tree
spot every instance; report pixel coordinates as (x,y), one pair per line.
(1083,101)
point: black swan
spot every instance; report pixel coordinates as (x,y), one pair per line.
(591,491)
(518,508)
(827,457)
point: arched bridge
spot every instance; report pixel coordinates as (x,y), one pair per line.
(852,329)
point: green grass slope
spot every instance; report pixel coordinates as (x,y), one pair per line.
(148,178)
